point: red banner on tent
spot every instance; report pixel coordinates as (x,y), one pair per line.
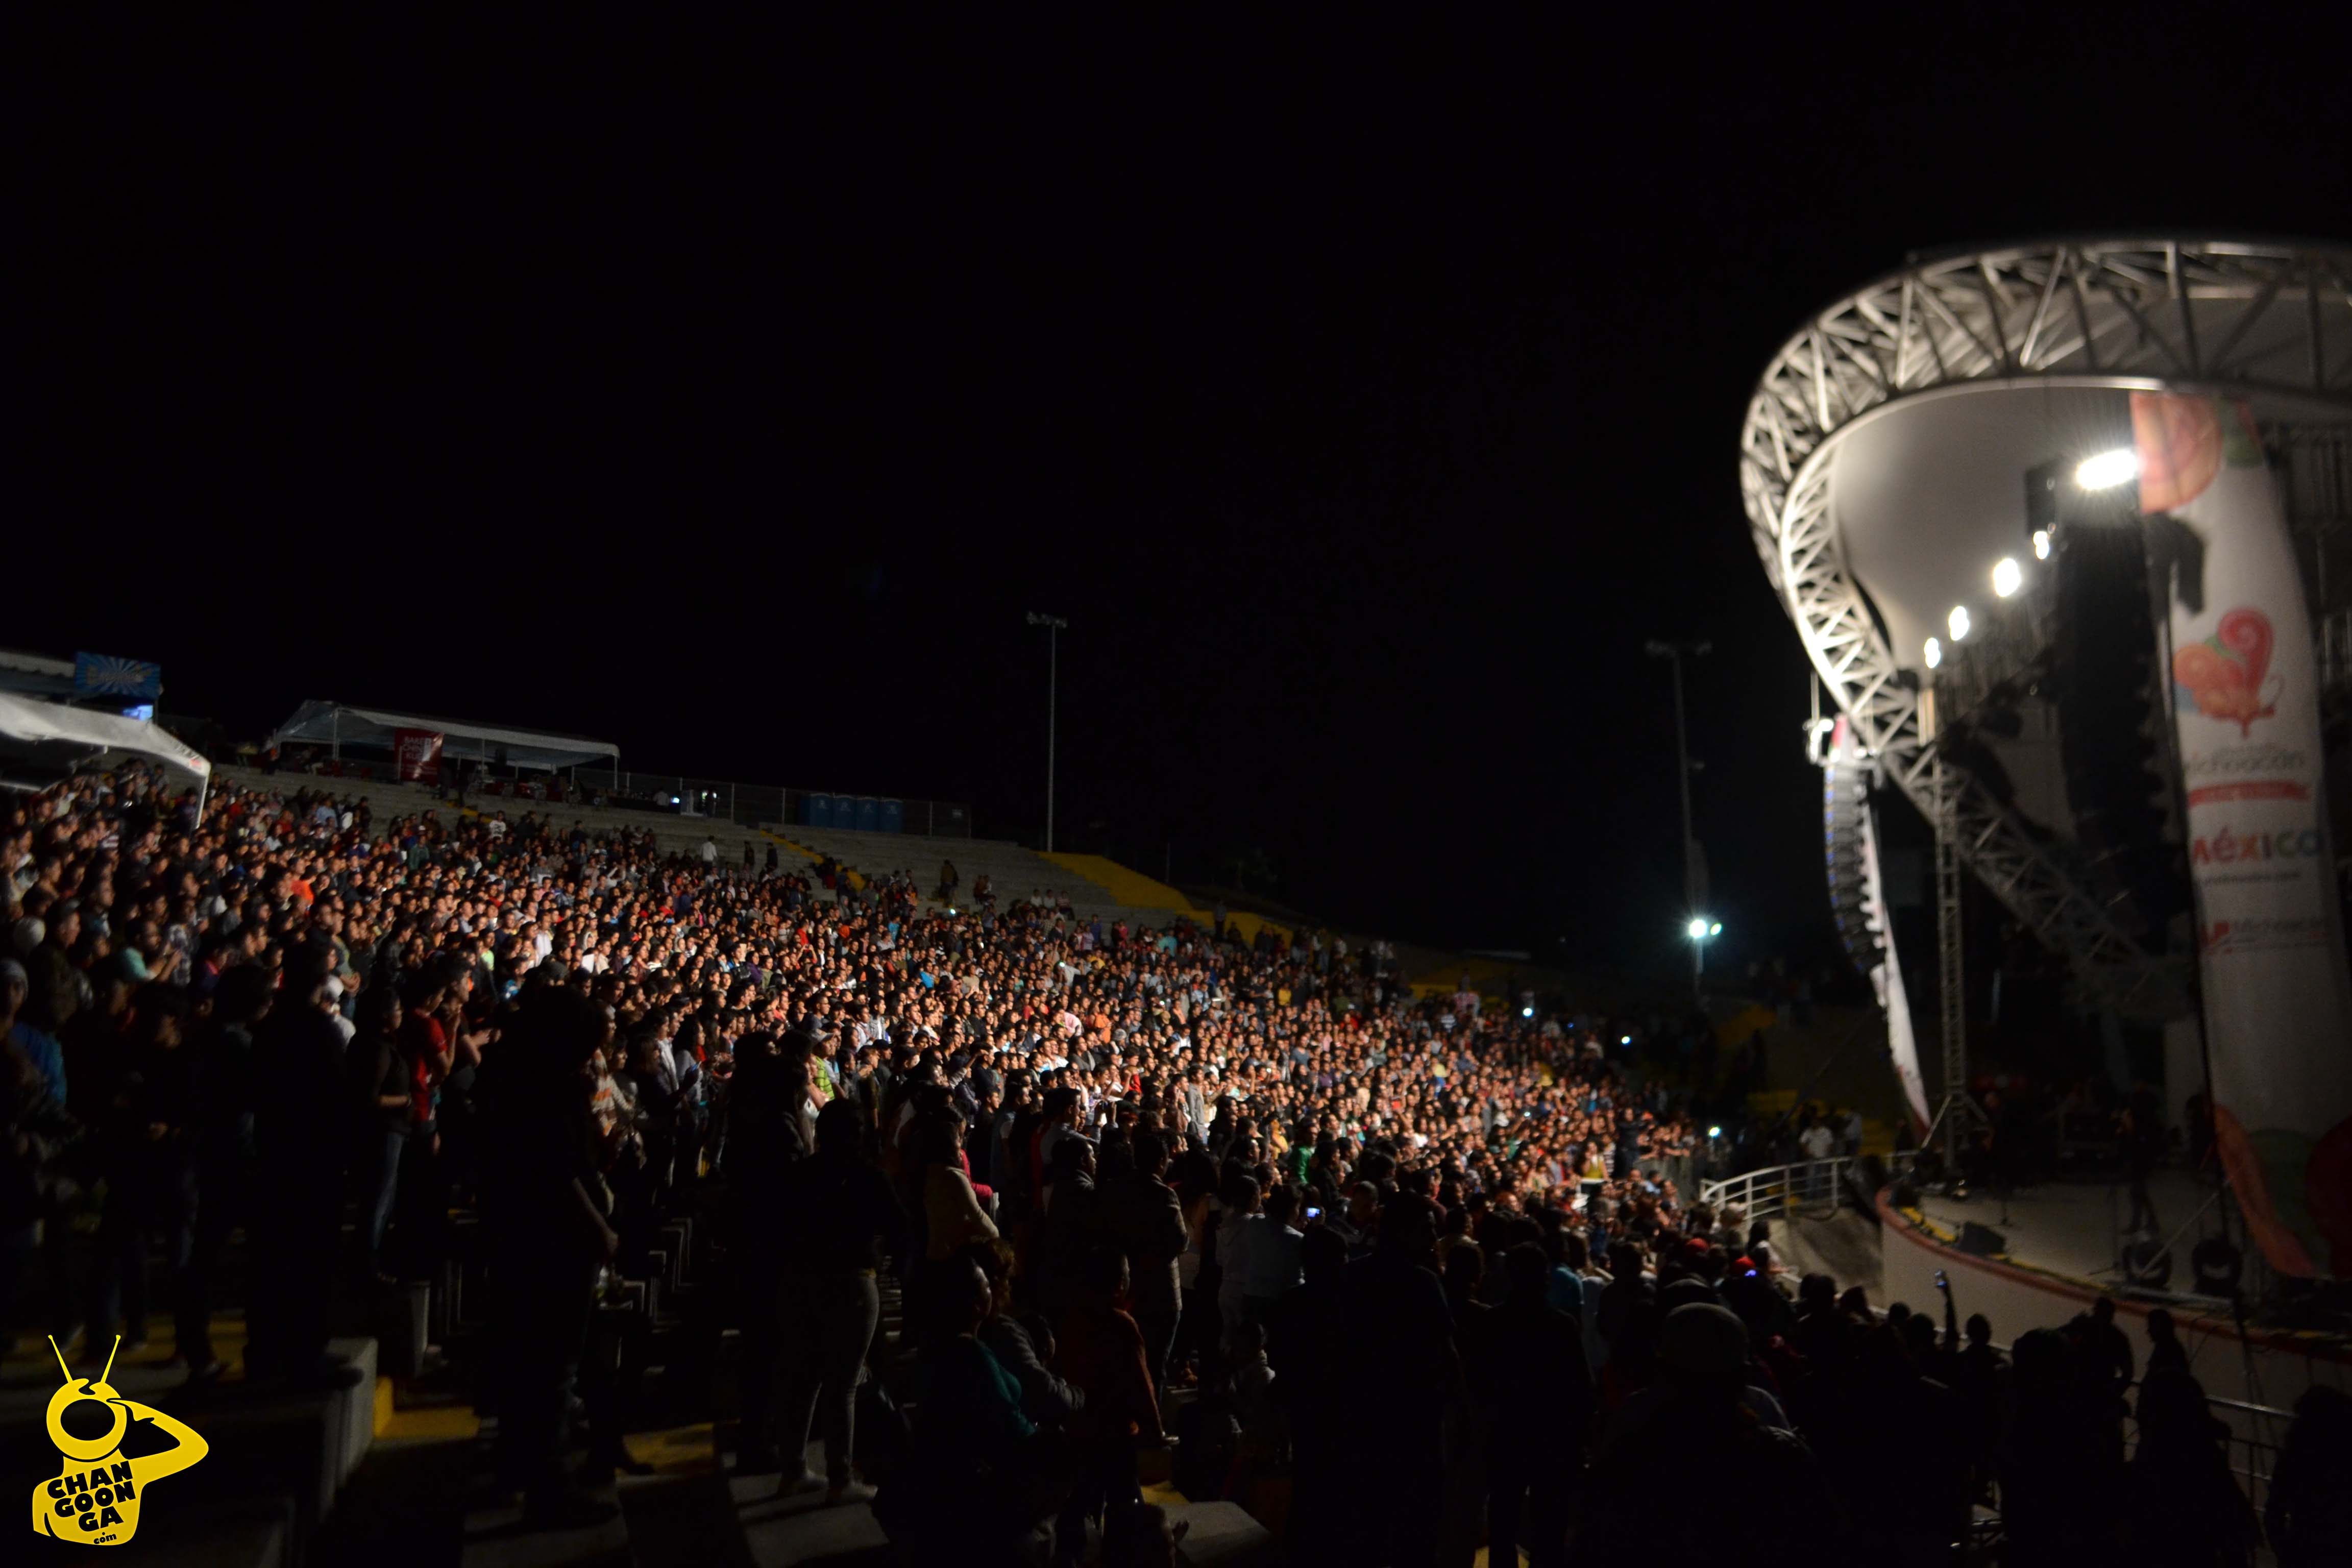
(418,753)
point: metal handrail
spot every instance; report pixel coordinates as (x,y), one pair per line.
(1778,1190)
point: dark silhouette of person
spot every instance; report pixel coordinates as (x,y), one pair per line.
(300,1133)
(1543,1405)
(1697,1421)
(224,1154)
(1406,1370)
(1149,1224)
(835,1225)
(2059,1475)
(766,1135)
(1305,1346)
(546,1235)
(2309,1511)
(2183,1508)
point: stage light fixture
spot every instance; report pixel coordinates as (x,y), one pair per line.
(1697,930)
(2008,576)
(1714,1131)
(1626,1041)
(2041,544)
(1932,652)
(2108,469)
(1957,622)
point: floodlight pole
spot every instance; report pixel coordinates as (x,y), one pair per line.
(1676,652)
(1054,627)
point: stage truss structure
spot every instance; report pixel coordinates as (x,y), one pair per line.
(2248,318)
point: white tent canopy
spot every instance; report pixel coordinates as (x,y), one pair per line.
(25,719)
(339,724)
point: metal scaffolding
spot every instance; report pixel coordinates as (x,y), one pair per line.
(2237,318)
(1953,1106)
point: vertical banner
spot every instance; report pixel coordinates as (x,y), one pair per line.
(418,753)
(2278,1001)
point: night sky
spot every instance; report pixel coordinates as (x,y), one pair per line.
(1364,399)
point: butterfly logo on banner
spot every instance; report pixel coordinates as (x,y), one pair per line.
(2223,675)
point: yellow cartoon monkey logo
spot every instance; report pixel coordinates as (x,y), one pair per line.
(95,1500)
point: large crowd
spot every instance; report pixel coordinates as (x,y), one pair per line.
(1408,1275)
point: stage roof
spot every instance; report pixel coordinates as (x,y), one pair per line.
(326,723)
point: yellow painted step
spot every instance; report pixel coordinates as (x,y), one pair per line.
(1132,889)
(857,879)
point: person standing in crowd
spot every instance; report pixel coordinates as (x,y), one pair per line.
(837,1225)
(548,1236)
(2309,1512)
(1102,1354)
(147,1164)
(769,1131)
(980,1476)
(1149,1223)
(1394,1317)
(224,1155)
(2183,1508)
(299,1135)
(384,1092)
(1543,1405)
(1699,1423)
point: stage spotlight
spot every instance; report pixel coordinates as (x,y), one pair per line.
(2008,576)
(1697,930)
(1934,652)
(2108,469)
(2041,544)
(1958,622)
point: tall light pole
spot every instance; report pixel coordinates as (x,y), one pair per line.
(1701,926)
(1054,627)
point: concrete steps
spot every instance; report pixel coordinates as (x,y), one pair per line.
(1013,872)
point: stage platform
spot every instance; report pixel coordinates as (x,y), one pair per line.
(2073,1227)
(2058,1251)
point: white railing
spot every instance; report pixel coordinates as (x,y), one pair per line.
(1812,1185)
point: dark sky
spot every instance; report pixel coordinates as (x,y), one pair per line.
(1364,398)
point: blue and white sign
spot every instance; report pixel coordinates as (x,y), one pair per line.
(103,675)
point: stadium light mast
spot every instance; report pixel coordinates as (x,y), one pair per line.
(1054,627)
(1701,925)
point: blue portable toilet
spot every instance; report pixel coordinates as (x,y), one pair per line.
(816,811)
(870,815)
(894,816)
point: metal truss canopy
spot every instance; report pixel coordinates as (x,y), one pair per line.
(2272,322)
